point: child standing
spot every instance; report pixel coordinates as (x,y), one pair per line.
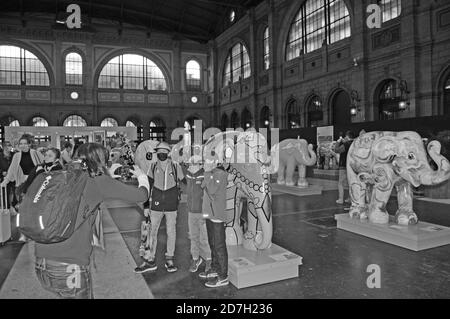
(214,204)
(200,250)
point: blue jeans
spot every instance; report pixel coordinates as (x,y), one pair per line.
(198,237)
(217,243)
(67,281)
(171,229)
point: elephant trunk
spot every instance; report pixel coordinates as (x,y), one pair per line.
(431,177)
(307,159)
(263,239)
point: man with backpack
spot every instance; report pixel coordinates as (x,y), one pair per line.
(165,176)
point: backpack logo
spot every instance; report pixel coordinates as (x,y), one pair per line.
(41,189)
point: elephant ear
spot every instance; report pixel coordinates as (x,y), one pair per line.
(385,150)
(362,146)
(289,148)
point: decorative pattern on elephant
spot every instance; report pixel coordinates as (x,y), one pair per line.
(249,167)
(379,161)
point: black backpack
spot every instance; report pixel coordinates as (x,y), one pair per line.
(50,208)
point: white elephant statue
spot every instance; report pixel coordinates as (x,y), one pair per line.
(379,161)
(292,153)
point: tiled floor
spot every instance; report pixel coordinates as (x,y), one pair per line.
(334,261)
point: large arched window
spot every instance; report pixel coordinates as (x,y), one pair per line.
(234,120)
(157,130)
(14,123)
(390,9)
(74,120)
(447,96)
(74,69)
(388,98)
(266,50)
(39,121)
(132,71)
(237,65)
(224,122)
(292,114)
(317,22)
(315,112)
(130,124)
(21,67)
(109,122)
(246,119)
(264,117)
(192,75)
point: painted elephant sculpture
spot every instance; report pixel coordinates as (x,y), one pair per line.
(379,161)
(327,155)
(293,153)
(247,162)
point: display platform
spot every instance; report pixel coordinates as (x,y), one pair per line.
(248,268)
(298,191)
(414,237)
(332,174)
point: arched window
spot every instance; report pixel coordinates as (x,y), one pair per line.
(157,130)
(14,123)
(264,117)
(109,122)
(234,120)
(21,67)
(224,122)
(388,99)
(315,112)
(131,71)
(74,120)
(317,22)
(192,75)
(232,16)
(447,96)
(39,121)
(390,9)
(292,114)
(130,124)
(74,69)
(246,119)
(266,51)
(237,64)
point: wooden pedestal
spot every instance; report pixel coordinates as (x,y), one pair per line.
(414,237)
(248,268)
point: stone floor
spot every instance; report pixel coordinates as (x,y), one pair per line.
(334,261)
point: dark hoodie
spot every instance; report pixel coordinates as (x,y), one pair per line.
(46,167)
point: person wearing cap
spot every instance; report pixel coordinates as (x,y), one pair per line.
(165,176)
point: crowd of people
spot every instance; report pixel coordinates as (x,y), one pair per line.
(159,190)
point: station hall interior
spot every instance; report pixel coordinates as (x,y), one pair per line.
(306,75)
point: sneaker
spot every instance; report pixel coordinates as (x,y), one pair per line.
(348,201)
(208,274)
(195,263)
(170,266)
(146,266)
(340,201)
(217,282)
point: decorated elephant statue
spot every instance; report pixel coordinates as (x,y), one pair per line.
(327,155)
(379,161)
(293,153)
(247,162)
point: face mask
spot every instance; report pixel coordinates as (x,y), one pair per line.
(162,156)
